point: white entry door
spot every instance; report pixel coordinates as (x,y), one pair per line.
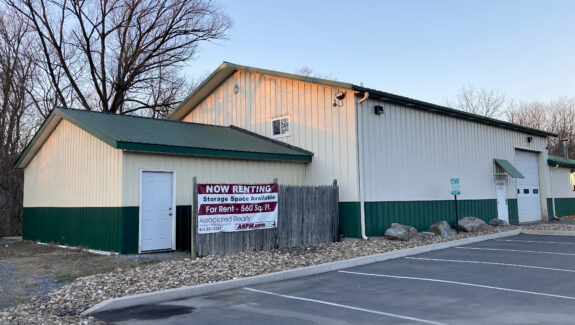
(502,210)
(156,217)
(528,196)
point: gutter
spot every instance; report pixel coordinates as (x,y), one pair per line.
(360,164)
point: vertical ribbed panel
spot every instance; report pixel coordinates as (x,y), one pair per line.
(74,169)
(349,219)
(421,214)
(513,209)
(563,206)
(317,126)
(207,170)
(103,228)
(562,182)
(410,154)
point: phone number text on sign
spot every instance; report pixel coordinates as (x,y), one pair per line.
(236,207)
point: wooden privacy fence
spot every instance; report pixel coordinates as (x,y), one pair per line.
(307,215)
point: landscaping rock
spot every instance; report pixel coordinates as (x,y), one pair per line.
(498,223)
(424,235)
(400,232)
(472,224)
(442,229)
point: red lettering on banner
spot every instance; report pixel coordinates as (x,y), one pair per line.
(237,189)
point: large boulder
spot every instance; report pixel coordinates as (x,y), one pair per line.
(498,223)
(425,235)
(442,229)
(400,232)
(472,224)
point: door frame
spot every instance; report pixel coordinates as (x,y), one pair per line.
(542,176)
(172,172)
(506,183)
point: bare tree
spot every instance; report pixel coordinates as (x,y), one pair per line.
(557,116)
(309,72)
(120,56)
(17,70)
(486,102)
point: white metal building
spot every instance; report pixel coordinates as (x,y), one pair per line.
(89,177)
(393,156)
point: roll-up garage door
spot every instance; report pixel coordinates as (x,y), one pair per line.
(528,194)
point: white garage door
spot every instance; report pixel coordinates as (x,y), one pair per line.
(528,196)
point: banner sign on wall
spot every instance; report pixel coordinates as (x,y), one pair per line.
(236,207)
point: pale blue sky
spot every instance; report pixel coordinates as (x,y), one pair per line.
(421,49)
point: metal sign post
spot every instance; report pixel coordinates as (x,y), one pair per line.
(455,191)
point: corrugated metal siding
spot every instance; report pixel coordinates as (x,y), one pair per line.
(73,169)
(564,207)
(513,211)
(207,170)
(317,126)
(410,154)
(349,219)
(421,214)
(109,229)
(562,182)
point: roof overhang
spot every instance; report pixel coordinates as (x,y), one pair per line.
(443,110)
(560,161)
(226,69)
(59,114)
(509,168)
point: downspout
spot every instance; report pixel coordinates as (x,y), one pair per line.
(552,192)
(360,164)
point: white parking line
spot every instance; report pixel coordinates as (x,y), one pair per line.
(514,250)
(347,307)
(490,263)
(460,283)
(534,241)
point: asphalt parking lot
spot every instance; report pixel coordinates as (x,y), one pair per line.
(523,279)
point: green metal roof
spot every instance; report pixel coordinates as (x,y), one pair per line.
(143,134)
(558,160)
(226,69)
(509,168)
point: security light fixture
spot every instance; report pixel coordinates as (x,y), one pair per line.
(378,109)
(529,139)
(236,89)
(340,95)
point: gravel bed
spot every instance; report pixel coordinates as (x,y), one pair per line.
(64,305)
(13,280)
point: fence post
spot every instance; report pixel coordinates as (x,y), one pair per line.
(194,218)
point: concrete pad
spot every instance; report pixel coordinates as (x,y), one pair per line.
(203,289)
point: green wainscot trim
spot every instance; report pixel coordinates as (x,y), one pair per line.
(564,206)
(550,208)
(421,214)
(513,211)
(103,228)
(349,219)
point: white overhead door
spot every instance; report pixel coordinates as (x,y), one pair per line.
(156,211)
(528,194)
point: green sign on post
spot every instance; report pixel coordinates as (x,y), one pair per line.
(455,186)
(455,191)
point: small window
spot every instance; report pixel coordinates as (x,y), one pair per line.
(526,191)
(535,191)
(519,192)
(281,127)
